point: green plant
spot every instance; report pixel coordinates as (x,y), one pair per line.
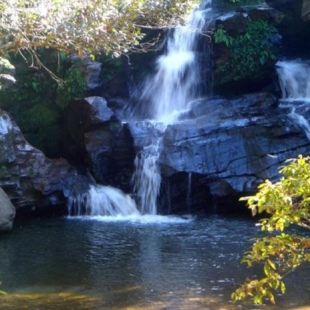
(73,85)
(220,36)
(249,52)
(281,251)
(84,26)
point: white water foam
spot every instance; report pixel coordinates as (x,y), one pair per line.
(139,219)
(102,201)
(147,178)
(294,79)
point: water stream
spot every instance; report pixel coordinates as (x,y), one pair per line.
(294,80)
(175,83)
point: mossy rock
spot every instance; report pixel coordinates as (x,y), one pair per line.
(245,52)
(42,127)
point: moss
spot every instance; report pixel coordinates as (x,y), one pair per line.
(38,117)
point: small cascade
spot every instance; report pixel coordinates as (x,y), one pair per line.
(301,122)
(102,201)
(147,179)
(294,80)
(175,83)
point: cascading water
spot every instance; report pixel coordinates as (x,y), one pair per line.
(294,80)
(176,81)
(147,179)
(163,97)
(102,201)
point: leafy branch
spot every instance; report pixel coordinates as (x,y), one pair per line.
(287,204)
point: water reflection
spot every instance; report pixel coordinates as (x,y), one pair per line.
(78,264)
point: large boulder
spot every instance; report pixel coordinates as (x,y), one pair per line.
(7,212)
(225,151)
(99,141)
(32,181)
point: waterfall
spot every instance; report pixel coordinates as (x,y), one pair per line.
(294,80)
(102,201)
(176,81)
(163,96)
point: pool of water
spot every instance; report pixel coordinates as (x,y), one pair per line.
(149,263)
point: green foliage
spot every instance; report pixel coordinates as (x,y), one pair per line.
(280,252)
(84,26)
(73,85)
(220,36)
(249,52)
(37,117)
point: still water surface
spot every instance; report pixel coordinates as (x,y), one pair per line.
(154,263)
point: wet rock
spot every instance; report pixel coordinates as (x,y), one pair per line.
(32,181)
(93,75)
(232,148)
(305,12)
(7,212)
(99,141)
(284,5)
(294,28)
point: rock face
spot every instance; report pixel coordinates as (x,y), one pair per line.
(284,5)
(225,151)
(7,212)
(305,12)
(32,181)
(294,28)
(99,141)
